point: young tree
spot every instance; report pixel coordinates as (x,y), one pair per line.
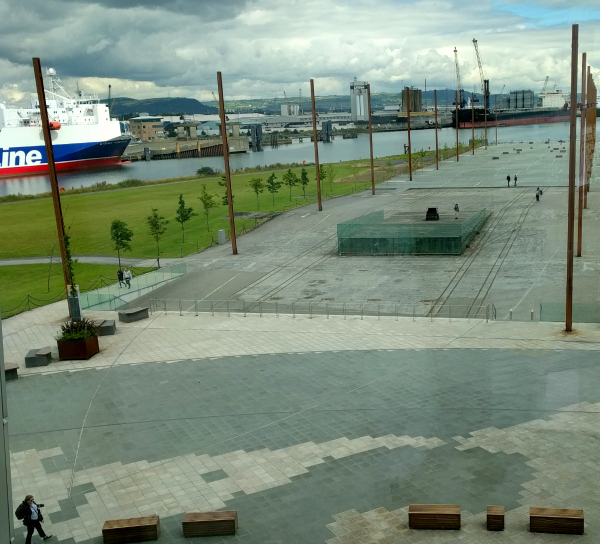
(121,236)
(183,215)
(330,176)
(304,181)
(273,185)
(208,202)
(157,226)
(258,187)
(291,180)
(223,183)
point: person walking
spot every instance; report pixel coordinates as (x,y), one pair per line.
(537,195)
(508,180)
(120,277)
(515,180)
(127,277)
(31,514)
(456,210)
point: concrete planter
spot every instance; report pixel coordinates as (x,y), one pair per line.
(77,349)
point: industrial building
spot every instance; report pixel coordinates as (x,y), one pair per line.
(359,108)
(147,127)
(416,99)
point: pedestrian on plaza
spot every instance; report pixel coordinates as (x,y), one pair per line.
(515,180)
(456,210)
(31,514)
(120,277)
(508,180)
(127,277)
(537,194)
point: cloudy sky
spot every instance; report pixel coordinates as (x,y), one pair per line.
(159,48)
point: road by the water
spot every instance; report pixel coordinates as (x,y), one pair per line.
(384,144)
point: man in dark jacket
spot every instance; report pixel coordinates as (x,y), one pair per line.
(32,518)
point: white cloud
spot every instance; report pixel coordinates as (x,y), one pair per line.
(154,48)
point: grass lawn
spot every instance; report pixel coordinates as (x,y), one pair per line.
(17,282)
(29,227)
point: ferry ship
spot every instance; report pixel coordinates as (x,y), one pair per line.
(83,134)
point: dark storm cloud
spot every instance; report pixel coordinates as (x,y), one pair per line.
(210,10)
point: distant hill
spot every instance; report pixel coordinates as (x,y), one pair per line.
(156,106)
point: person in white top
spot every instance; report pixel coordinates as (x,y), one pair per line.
(127,277)
(31,514)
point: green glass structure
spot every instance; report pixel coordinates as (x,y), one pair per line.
(409,233)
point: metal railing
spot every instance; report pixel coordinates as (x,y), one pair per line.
(325,309)
(112,297)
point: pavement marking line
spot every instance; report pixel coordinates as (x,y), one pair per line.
(150,321)
(221,286)
(536,280)
(318,222)
(305,215)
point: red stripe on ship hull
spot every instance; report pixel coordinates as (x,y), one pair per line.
(68,165)
(514,122)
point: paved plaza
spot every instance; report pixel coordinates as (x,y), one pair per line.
(325,429)
(314,430)
(517,262)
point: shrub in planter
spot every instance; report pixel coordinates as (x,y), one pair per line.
(78,340)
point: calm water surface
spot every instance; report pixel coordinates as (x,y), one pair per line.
(384,144)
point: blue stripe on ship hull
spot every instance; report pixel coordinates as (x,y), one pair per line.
(92,150)
(66,152)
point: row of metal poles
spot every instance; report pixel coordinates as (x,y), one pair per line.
(587,144)
(587,106)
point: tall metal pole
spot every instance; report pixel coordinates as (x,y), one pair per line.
(581,154)
(572,160)
(457,125)
(226,161)
(408,121)
(590,111)
(371,139)
(60,225)
(496,109)
(473,124)
(437,164)
(485,105)
(314,120)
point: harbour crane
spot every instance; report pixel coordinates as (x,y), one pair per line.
(485,83)
(461,101)
(502,91)
(545,85)
(289,108)
(300,101)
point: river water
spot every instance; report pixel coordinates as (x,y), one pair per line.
(384,144)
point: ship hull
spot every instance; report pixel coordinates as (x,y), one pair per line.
(510,118)
(73,148)
(491,122)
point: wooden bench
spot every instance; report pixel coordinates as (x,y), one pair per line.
(495,518)
(556,520)
(434,516)
(123,531)
(133,314)
(38,357)
(11,371)
(210,523)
